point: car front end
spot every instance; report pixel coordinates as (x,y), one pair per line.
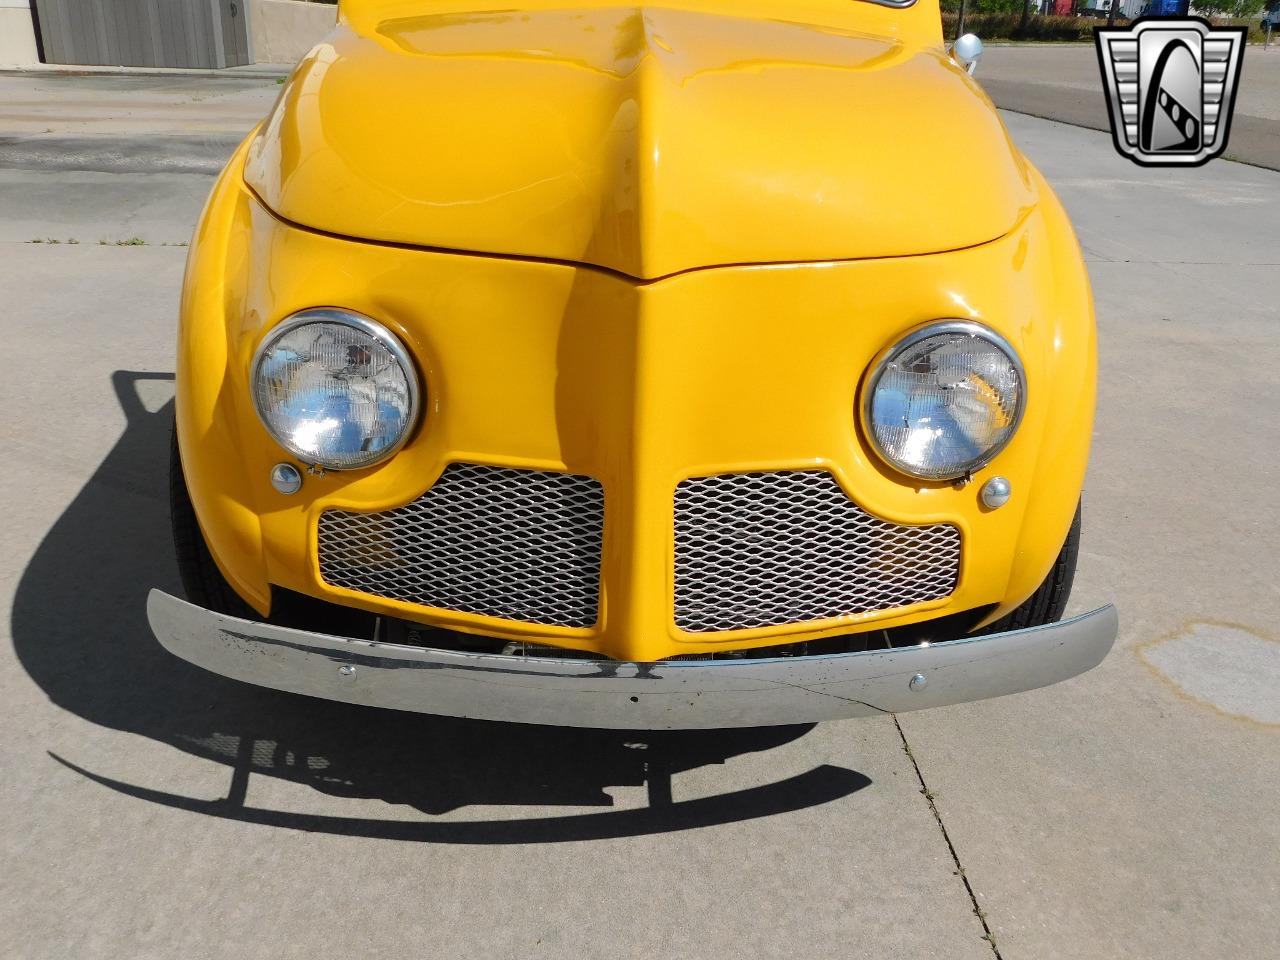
(627,383)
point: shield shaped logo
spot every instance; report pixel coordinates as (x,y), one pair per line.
(1171,85)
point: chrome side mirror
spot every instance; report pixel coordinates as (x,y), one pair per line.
(966,52)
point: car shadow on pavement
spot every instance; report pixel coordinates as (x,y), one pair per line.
(80,631)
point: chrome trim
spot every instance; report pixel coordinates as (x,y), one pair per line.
(340,315)
(669,695)
(877,368)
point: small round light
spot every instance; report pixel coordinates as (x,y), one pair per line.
(967,51)
(335,389)
(286,479)
(944,400)
(996,493)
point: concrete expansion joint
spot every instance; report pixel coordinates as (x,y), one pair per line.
(987,933)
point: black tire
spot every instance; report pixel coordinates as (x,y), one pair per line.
(1050,599)
(202,581)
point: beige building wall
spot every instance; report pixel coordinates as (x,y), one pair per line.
(281,31)
(17,34)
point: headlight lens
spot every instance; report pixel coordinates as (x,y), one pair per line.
(944,400)
(335,389)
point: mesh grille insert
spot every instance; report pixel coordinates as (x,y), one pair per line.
(761,549)
(518,544)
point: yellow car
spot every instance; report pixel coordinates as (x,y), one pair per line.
(705,364)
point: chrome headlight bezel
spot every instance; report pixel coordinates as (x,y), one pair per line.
(369,327)
(886,356)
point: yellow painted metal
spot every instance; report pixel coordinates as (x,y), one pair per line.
(639,384)
(647,139)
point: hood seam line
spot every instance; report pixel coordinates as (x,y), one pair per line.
(613,271)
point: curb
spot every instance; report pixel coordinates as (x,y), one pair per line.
(259,71)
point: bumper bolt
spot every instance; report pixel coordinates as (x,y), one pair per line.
(347,670)
(918,682)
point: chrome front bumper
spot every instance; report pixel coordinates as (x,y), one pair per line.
(670,695)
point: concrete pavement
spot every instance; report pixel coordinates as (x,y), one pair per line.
(1132,815)
(154,810)
(1062,82)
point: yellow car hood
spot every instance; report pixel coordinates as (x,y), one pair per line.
(646,140)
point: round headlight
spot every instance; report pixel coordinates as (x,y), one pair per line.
(944,400)
(335,389)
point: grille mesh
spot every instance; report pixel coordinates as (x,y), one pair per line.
(761,549)
(517,544)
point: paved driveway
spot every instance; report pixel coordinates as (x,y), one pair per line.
(153,810)
(1062,82)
